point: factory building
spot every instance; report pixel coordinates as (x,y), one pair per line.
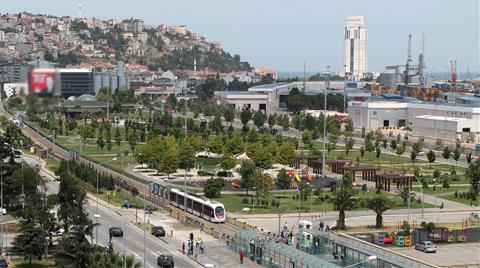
(428,119)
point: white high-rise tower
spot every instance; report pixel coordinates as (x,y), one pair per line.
(355,48)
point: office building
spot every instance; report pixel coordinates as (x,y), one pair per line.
(76,82)
(355,48)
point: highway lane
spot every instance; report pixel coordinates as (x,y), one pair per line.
(133,238)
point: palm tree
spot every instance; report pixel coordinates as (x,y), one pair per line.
(403,193)
(343,199)
(379,204)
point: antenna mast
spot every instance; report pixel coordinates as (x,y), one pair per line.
(80,15)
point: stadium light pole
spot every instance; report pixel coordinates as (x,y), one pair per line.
(327,85)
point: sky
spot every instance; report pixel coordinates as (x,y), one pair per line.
(282,34)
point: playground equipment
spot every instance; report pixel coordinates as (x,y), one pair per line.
(298,178)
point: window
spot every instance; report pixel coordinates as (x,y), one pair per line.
(374,112)
(219,211)
(386,123)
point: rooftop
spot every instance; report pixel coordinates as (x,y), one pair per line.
(441,118)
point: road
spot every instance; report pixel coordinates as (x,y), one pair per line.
(133,240)
(133,236)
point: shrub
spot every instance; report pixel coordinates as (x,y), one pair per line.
(456,194)
(245,200)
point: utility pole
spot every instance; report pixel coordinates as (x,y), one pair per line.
(144,235)
(327,85)
(304,75)
(185,177)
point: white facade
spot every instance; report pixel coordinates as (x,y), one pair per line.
(355,47)
(447,128)
(451,120)
(241,100)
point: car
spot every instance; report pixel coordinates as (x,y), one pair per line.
(165,261)
(3,262)
(426,246)
(149,209)
(115,232)
(202,118)
(126,204)
(158,231)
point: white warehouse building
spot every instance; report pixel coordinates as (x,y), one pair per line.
(445,121)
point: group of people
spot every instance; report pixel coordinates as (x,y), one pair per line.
(323,225)
(198,245)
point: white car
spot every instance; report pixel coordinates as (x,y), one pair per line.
(426,246)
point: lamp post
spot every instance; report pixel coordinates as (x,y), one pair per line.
(96,209)
(408,201)
(370,258)
(327,85)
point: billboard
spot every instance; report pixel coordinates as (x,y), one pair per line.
(42,81)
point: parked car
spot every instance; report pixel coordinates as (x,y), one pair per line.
(149,209)
(202,118)
(158,231)
(115,232)
(126,204)
(426,246)
(3,262)
(165,261)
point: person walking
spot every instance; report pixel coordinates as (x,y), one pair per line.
(241,256)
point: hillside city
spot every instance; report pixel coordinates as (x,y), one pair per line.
(129,145)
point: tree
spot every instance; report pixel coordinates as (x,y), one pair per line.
(235,145)
(413,156)
(431,157)
(263,158)
(400,150)
(272,118)
(227,162)
(264,184)
(456,155)
(186,156)
(446,153)
(468,157)
(369,145)
(213,187)
(307,139)
(473,174)
(245,116)
(362,151)
(348,145)
(285,122)
(393,144)
(379,204)
(247,171)
(417,146)
(286,153)
(259,119)
(169,161)
(229,114)
(343,199)
(118,138)
(216,124)
(283,181)
(378,152)
(215,145)
(32,241)
(404,193)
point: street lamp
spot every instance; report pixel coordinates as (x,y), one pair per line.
(370,258)
(96,210)
(327,85)
(408,201)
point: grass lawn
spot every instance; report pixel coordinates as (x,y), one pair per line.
(235,203)
(53,163)
(465,201)
(439,190)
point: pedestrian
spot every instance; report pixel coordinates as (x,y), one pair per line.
(183,248)
(197,242)
(241,256)
(321,225)
(201,248)
(327,228)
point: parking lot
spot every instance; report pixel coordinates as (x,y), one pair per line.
(451,255)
